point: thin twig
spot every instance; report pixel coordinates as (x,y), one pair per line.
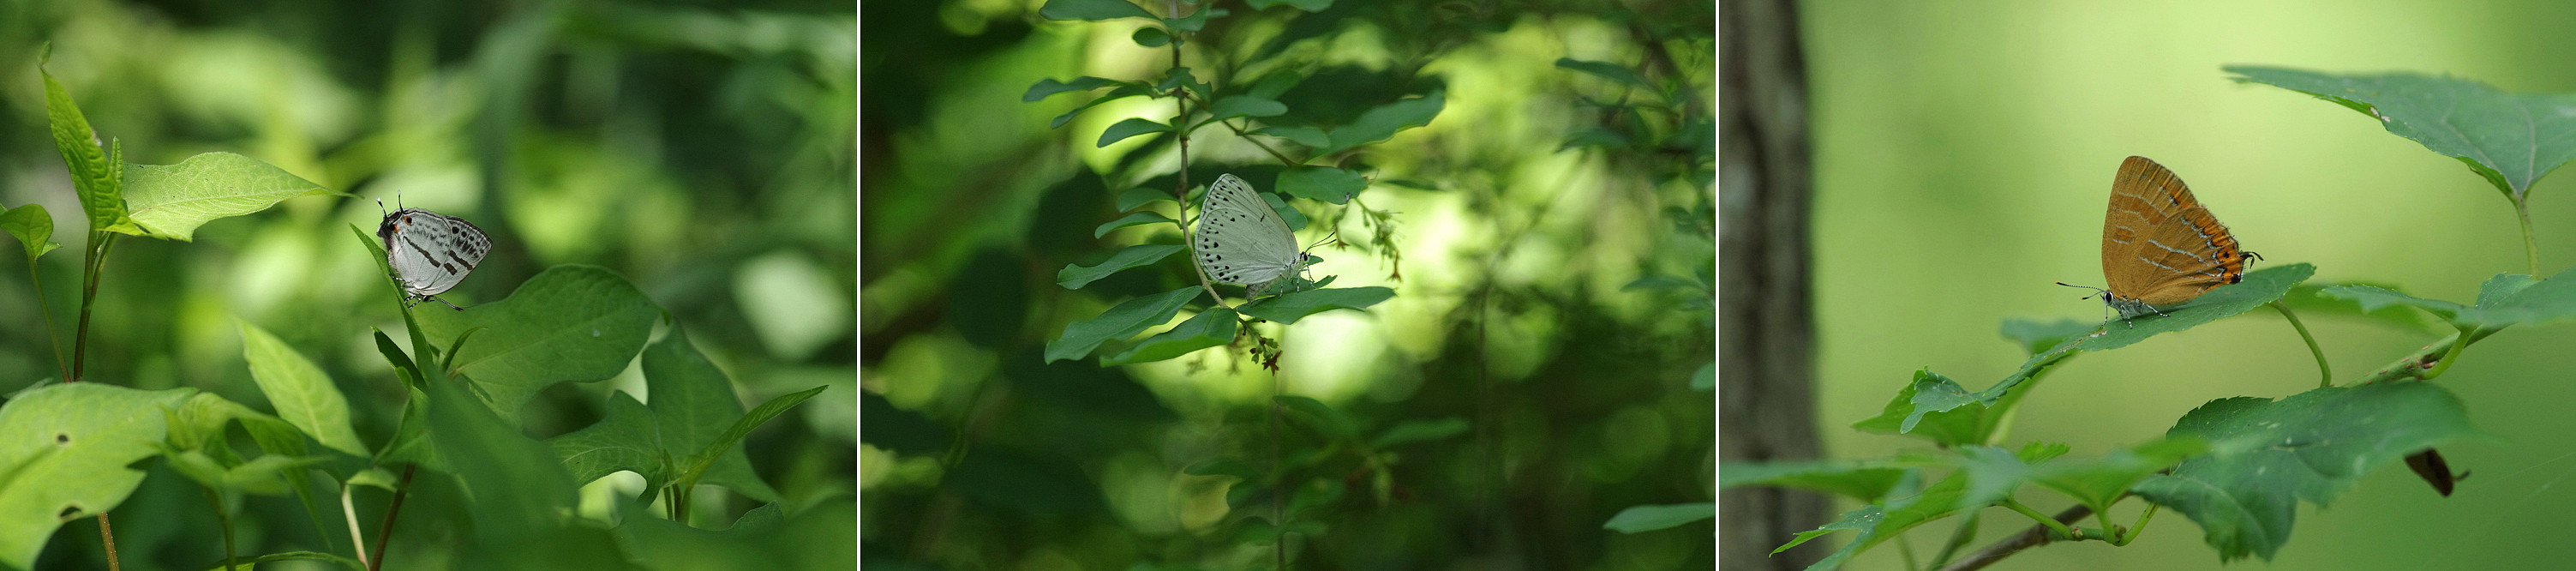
(385,532)
(2035,536)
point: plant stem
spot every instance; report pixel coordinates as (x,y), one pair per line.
(108,535)
(91,263)
(51,335)
(2035,536)
(2325,374)
(2530,247)
(224,518)
(2448,357)
(1959,536)
(359,541)
(2412,366)
(2103,517)
(2141,526)
(385,532)
(2053,524)
(1907,549)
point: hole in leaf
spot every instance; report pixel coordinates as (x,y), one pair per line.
(68,512)
(62,438)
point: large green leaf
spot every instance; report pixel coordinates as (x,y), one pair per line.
(701,463)
(518,488)
(1074,276)
(172,200)
(1294,306)
(2311,299)
(571,323)
(32,226)
(2266,455)
(97,176)
(1207,329)
(2259,287)
(66,452)
(627,439)
(302,394)
(2510,140)
(1048,87)
(694,404)
(1130,127)
(1125,320)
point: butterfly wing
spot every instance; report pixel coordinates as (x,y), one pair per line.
(430,252)
(2159,245)
(1240,239)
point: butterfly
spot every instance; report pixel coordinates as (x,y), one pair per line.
(2160,247)
(1242,241)
(429,252)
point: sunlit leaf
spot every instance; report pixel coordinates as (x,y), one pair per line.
(172,200)
(301,393)
(571,323)
(97,175)
(1245,106)
(1294,306)
(1130,128)
(67,451)
(32,226)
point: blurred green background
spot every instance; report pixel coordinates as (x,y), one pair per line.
(1964,152)
(703,150)
(1508,271)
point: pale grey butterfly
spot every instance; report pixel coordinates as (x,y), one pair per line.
(430,252)
(1242,241)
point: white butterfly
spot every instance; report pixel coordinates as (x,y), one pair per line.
(430,252)
(1242,241)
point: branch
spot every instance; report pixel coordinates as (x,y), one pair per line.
(2035,536)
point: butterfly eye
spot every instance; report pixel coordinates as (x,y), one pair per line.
(406,219)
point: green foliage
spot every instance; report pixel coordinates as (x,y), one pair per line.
(33,228)
(302,394)
(1321,183)
(2510,140)
(1289,308)
(69,453)
(1130,128)
(1132,219)
(1649,518)
(97,176)
(2266,456)
(1209,328)
(172,200)
(568,324)
(1864,481)
(1091,10)
(1125,320)
(2506,299)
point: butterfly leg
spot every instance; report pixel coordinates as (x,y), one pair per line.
(442,302)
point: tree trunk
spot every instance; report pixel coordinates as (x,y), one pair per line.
(1766,377)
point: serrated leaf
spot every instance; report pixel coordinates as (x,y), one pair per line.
(2266,456)
(1129,128)
(1878,522)
(172,200)
(1649,518)
(303,396)
(1864,481)
(32,226)
(1076,276)
(2310,299)
(2510,140)
(1048,87)
(1321,183)
(1091,10)
(2506,299)
(1209,328)
(96,173)
(66,451)
(2098,481)
(1291,307)
(1122,321)
(1131,219)
(570,323)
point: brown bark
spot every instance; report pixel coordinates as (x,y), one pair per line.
(1766,374)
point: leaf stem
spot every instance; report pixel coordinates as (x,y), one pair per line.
(52,335)
(2053,525)
(1907,549)
(2141,526)
(2530,247)
(93,260)
(223,518)
(358,541)
(385,532)
(2325,374)
(2034,536)
(2448,357)
(107,534)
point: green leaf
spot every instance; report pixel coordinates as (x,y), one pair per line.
(1140,196)
(2373,298)
(2259,287)
(1130,128)
(245,563)
(1151,37)
(1593,137)
(1412,431)
(1649,518)
(97,176)
(2506,299)
(1309,137)
(2267,455)
(2510,140)
(571,323)
(1294,306)
(1606,70)
(1074,277)
(1049,87)
(1864,481)
(66,452)
(2037,336)
(1124,90)
(1295,220)
(1195,21)
(33,227)
(1321,183)
(1125,320)
(1933,392)
(1880,521)
(1207,329)
(1245,106)
(1131,219)
(402,362)
(1091,10)
(1381,123)
(2098,481)
(1326,420)
(1306,5)
(2310,299)
(1948,420)
(518,487)
(172,200)
(626,439)
(698,464)
(694,403)
(302,394)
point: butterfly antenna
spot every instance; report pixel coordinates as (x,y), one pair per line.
(2096,291)
(442,302)
(380,207)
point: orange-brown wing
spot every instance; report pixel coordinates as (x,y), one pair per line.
(2159,245)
